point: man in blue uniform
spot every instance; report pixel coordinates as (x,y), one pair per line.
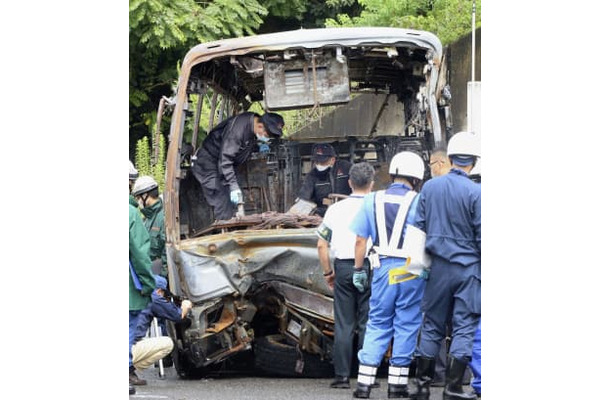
(395,293)
(449,212)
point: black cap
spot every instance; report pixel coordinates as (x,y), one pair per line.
(322,151)
(273,123)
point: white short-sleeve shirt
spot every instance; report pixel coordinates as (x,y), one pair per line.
(335,227)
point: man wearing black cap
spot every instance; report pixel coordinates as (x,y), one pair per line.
(228,145)
(327,176)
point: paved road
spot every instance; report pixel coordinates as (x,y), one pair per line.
(238,386)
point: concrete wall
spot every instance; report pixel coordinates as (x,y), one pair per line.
(460,73)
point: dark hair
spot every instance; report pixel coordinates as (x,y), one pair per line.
(361,174)
(154,193)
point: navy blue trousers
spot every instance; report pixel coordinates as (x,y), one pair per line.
(452,294)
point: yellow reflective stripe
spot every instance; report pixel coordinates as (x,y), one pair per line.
(400,274)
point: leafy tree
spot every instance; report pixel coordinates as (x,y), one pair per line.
(161,32)
(448,19)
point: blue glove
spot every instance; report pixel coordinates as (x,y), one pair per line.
(236,197)
(263,148)
(360,279)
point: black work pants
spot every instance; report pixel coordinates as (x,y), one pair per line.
(351,313)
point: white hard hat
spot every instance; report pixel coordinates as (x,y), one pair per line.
(407,163)
(133,172)
(464,144)
(144,184)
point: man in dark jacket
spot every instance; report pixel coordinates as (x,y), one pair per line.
(147,351)
(141,280)
(228,145)
(328,175)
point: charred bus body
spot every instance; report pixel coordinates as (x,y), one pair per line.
(256,282)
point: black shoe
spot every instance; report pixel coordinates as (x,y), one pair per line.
(398,392)
(362,391)
(132,390)
(133,378)
(424,376)
(340,382)
(453,388)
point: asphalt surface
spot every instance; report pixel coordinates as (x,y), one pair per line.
(240,386)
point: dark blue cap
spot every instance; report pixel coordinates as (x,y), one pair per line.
(160,282)
(273,123)
(322,151)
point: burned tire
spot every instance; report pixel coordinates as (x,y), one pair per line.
(184,368)
(274,355)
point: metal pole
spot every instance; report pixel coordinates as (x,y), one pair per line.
(155,143)
(474,13)
(157,331)
(212,111)
(197,120)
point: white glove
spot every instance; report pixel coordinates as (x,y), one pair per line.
(236,197)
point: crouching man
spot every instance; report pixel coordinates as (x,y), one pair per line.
(147,351)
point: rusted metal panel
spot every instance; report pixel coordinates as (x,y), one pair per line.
(314,38)
(318,81)
(231,263)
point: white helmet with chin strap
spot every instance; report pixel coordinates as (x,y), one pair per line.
(133,172)
(464,144)
(407,163)
(144,184)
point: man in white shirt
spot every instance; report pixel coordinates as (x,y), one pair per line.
(337,241)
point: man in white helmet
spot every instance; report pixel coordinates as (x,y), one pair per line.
(449,212)
(395,292)
(146,192)
(133,175)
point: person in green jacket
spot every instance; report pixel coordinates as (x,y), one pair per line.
(141,280)
(146,192)
(133,175)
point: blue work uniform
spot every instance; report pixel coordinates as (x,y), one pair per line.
(475,363)
(449,211)
(159,307)
(394,309)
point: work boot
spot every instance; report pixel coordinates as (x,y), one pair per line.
(366,379)
(453,381)
(340,382)
(133,378)
(132,390)
(423,378)
(398,379)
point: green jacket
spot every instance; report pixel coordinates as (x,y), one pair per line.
(139,244)
(154,221)
(133,201)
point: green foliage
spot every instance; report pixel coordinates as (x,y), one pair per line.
(143,157)
(161,32)
(144,161)
(286,8)
(448,19)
